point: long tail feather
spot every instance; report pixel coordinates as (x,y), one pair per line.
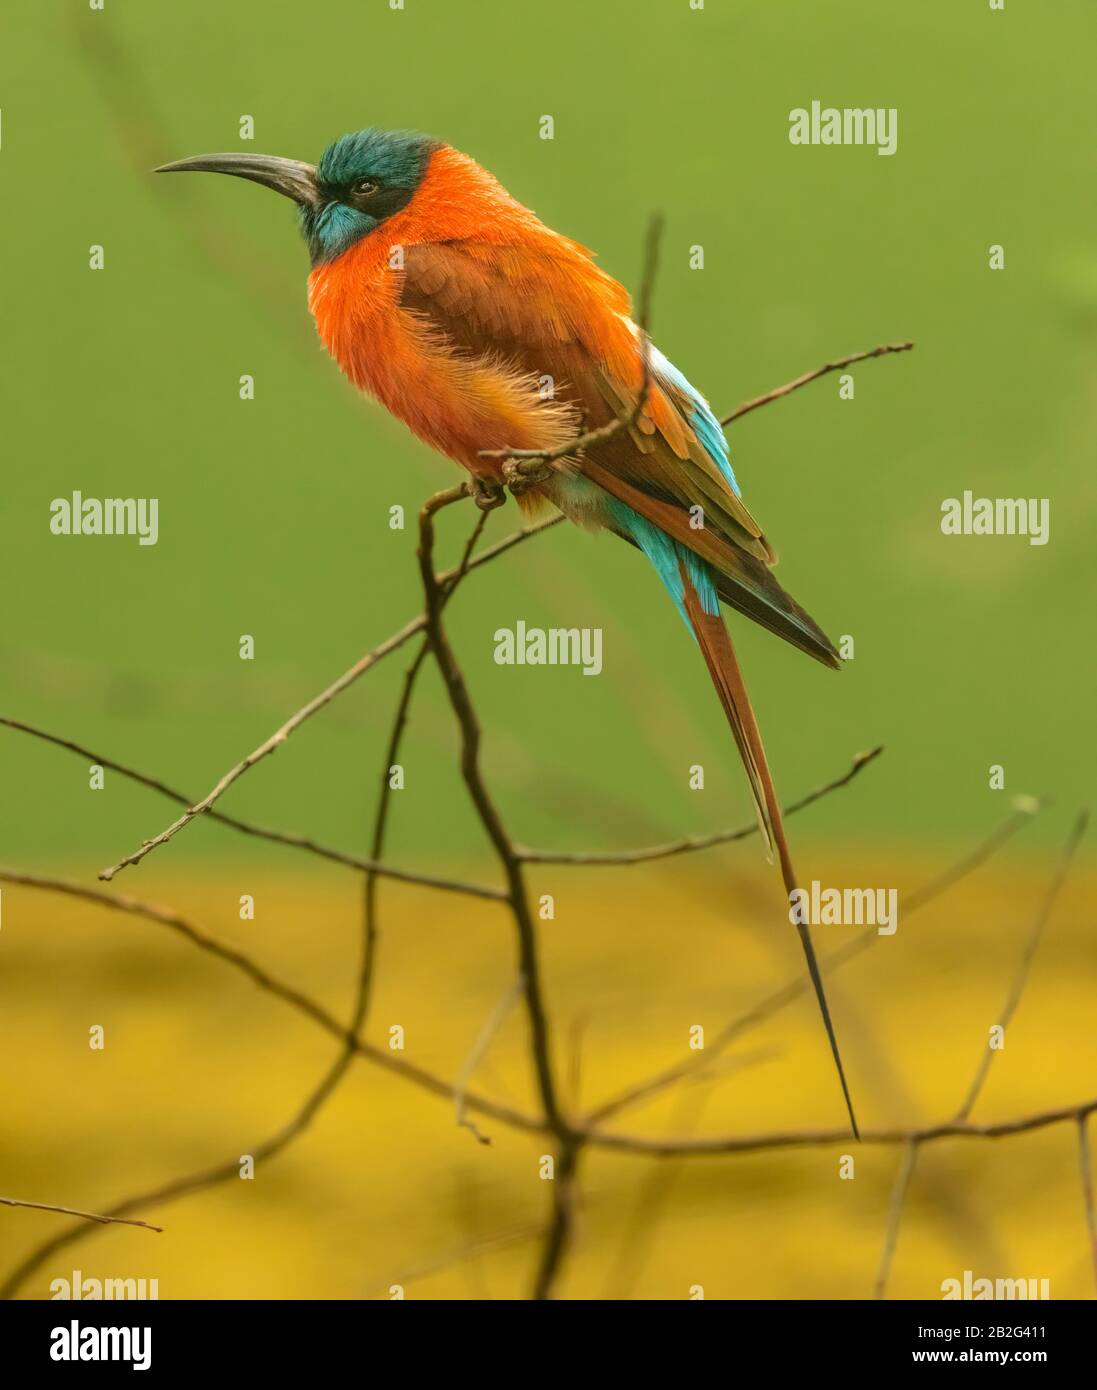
(723,667)
(741,579)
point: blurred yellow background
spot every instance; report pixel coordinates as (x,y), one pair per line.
(200,1065)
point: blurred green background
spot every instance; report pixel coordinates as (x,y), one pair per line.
(273,514)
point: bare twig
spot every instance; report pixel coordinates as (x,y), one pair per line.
(485,807)
(118,902)
(692,843)
(455,1255)
(779,391)
(712,1145)
(270,745)
(1013,998)
(1085,1162)
(305,1005)
(494,1022)
(318,702)
(1024,809)
(576,1030)
(895,1215)
(528,961)
(656,1188)
(177,1187)
(84,1215)
(282,837)
(562,1223)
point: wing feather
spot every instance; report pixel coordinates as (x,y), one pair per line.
(551,313)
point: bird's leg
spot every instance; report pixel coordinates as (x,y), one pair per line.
(487,493)
(522,474)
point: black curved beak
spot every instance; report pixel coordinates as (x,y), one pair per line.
(290,177)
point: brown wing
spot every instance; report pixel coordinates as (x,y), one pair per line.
(538,314)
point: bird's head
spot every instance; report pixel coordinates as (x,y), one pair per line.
(361,180)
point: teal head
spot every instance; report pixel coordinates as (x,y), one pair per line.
(361,180)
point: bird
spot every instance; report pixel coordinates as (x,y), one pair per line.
(491,335)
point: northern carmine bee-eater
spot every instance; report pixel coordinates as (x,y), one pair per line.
(452,304)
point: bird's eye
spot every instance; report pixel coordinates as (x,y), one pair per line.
(364,186)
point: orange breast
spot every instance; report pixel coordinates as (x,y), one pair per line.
(455,403)
(545,288)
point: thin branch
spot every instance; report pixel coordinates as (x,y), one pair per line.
(692,843)
(895,1216)
(270,745)
(1013,998)
(574,1078)
(654,1192)
(456,1255)
(1086,1164)
(177,1187)
(102,1219)
(1025,808)
(528,962)
(195,935)
(305,1005)
(778,392)
(562,1223)
(485,807)
(282,837)
(384,796)
(712,1145)
(493,1023)
(630,1144)
(318,702)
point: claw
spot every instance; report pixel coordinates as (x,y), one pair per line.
(487,493)
(520,479)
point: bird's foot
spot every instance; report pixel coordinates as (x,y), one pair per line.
(521,475)
(487,493)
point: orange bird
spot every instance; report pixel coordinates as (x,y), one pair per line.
(486,331)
